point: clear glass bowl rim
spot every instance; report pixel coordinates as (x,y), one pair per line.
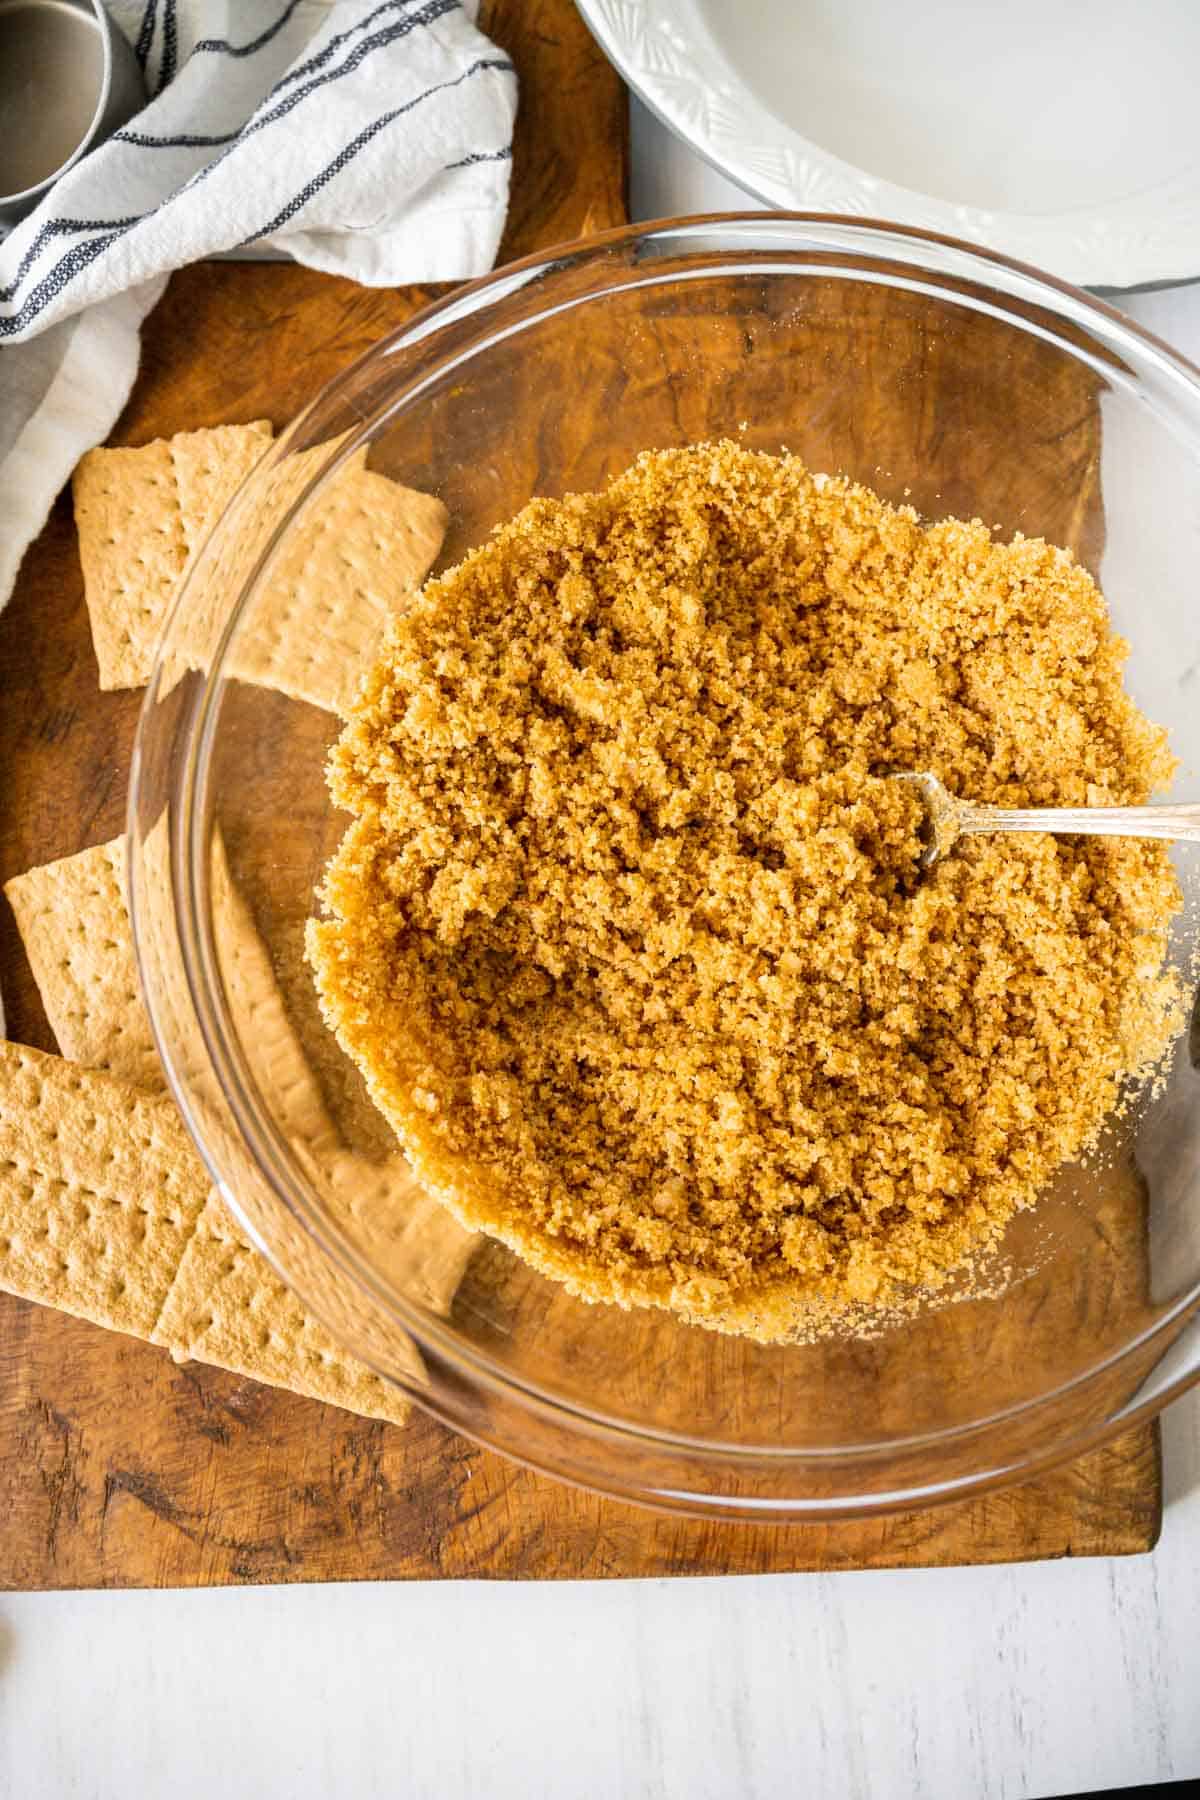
(814,233)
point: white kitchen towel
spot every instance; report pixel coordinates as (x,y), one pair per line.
(372,140)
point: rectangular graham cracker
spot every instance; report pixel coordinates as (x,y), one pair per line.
(364,544)
(106,1212)
(74,924)
(228,1307)
(100,1191)
(74,921)
(278,490)
(141,514)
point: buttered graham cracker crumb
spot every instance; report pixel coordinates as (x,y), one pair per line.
(628,936)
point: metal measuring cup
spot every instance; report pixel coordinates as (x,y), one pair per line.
(68,80)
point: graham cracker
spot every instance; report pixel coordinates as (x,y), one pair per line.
(74,923)
(106,1212)
(228,1307)
(410,1235)
(277,490)
(277,1057)
(140,514)
(364,545)
(100,1191)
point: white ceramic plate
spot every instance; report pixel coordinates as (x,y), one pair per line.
(1062,132)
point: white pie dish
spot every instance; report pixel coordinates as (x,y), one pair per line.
(1067,135)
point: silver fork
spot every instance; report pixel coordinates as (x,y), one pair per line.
(948,819)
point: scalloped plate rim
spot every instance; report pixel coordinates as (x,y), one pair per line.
(1099,246)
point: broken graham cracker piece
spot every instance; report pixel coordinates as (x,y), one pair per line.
(140,514)
(411,1237)
(74,924)
(100,1191)
(106,1213)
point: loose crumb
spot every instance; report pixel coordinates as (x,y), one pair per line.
(628,935)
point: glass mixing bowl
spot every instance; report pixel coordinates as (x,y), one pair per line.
(933,372)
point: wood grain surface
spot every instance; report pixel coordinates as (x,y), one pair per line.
(118,1468)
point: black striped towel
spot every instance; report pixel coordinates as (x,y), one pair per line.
(373,140)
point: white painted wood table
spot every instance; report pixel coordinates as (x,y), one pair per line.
(997,1684)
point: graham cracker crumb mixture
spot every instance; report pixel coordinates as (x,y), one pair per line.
(628,935)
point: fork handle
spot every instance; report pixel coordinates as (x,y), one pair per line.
(1179,822)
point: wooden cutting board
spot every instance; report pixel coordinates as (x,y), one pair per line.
(118,1468)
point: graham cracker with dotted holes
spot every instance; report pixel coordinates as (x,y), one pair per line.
(74,921)
(141,513)
(75,927)
(363,545)
(105,1212)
